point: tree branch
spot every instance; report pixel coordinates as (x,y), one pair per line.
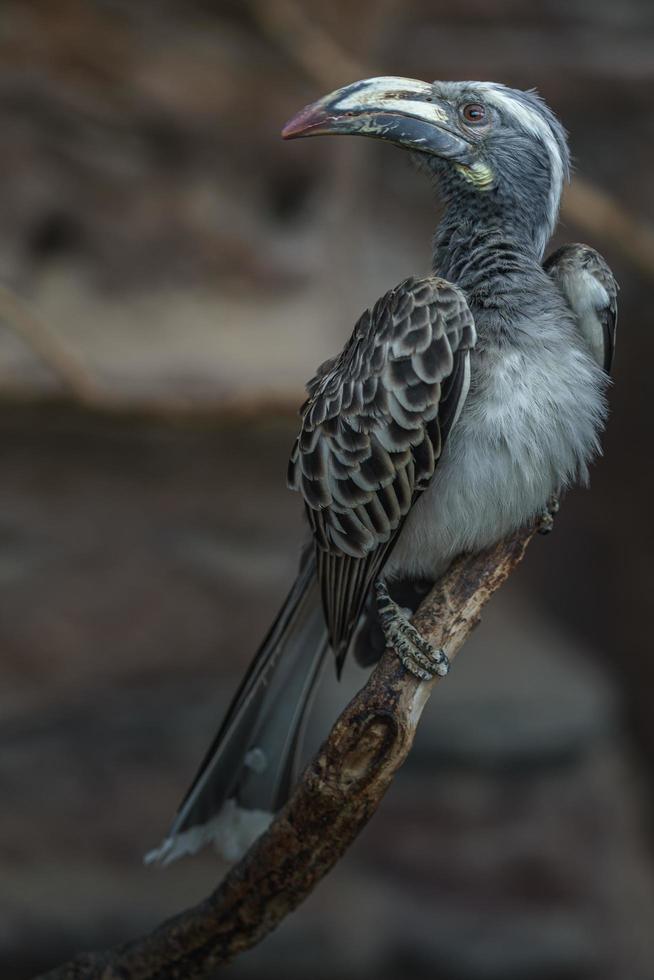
(336,796)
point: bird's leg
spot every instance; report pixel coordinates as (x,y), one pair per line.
(417,655)
(546,518)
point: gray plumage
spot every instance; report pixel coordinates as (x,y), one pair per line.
(462,402)
(590,289)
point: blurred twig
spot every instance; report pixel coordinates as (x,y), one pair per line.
(82,389)
(308,44)
(597,212)
(336,796)
(48,347)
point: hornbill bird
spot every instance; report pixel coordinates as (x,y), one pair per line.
(464,402)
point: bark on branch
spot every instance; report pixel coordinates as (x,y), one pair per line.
(336,796)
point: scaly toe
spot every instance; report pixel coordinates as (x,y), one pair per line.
(416,654)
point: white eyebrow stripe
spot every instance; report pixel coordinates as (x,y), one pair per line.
(533,122)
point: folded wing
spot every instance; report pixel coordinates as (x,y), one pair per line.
(590,288)
(373,429)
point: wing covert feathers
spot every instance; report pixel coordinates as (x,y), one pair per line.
(371,434)
(591,290)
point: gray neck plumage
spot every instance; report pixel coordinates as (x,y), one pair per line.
(488,247)
(497,264)
(520,216)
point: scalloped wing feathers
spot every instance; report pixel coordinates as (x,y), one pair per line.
(372,432)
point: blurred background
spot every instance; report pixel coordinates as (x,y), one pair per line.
(186,271)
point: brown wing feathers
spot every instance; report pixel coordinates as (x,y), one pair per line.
(370,435)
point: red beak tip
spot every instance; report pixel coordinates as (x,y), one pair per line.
(304,122)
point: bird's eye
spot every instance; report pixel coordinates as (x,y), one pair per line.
(474,113)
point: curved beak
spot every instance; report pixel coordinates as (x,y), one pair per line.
(404,111)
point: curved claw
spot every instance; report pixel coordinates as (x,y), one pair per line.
(546,519)
(416,654)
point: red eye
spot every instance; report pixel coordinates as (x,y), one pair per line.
(474,112)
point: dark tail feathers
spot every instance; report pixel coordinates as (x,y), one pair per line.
(251,765)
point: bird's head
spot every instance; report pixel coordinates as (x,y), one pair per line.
(497,152)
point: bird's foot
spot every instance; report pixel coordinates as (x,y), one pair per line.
(546,518)
(416,654)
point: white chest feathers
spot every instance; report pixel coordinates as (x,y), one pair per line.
(529,428)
